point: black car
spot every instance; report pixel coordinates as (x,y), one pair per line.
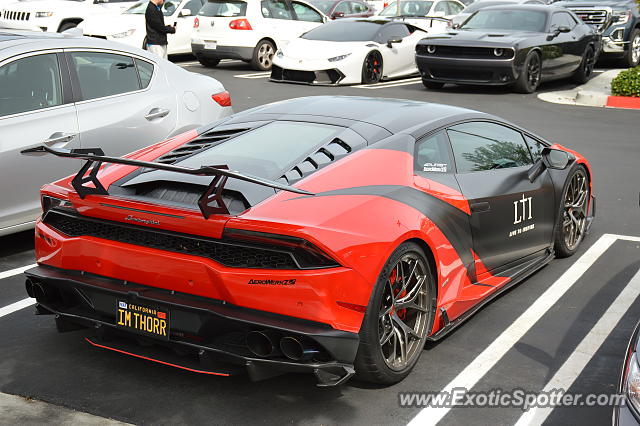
(518,45)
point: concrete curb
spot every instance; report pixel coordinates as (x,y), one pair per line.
(17,410)
(594,93)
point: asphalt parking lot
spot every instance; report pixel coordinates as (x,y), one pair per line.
(565,327)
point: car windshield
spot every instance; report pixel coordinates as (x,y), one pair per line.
(473,7)
(269,150)
(509,20)
(324,5)
(345,31)
(408,8)
(140,8)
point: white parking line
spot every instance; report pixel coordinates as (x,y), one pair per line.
(573,366)
(254,75)
(21,304)
(509,337)
(16,271)
(386,84)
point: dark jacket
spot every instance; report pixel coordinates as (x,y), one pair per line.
(156,29)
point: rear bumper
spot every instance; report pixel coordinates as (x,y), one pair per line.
(209,334)
(467,71)
(223,52)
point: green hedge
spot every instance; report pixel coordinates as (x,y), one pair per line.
(627,83)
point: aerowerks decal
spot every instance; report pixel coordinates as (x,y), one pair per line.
(522,212)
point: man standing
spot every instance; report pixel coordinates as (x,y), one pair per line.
(156,29)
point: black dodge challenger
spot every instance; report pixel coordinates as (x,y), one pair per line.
(518,45)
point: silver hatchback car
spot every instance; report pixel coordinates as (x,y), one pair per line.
(69,91)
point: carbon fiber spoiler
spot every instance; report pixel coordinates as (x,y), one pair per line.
(213,195)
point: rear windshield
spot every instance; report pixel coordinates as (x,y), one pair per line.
(408,8)
(269,150)
(345,31)
(224,8)
(509,20)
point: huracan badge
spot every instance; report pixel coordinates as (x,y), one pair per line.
(132,218)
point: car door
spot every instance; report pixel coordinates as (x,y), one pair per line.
(305,17)
(180,42)
(35,107)
(563,53)
(511,217)
(279,21)
(122,103)
(398,59)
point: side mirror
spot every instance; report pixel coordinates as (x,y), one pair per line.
(551,158)
(185,12)
(455,26)
(337,15)
(561,30)
(393,40)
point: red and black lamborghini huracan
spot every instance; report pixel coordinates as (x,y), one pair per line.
(331,235)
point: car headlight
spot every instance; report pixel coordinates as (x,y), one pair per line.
(49,203)
(43,14)
(431,49)
(338,58)
(279,53)
(498,52)
(632,382)
(621,16)
(123,34)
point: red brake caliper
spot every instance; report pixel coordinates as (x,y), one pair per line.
(402,313)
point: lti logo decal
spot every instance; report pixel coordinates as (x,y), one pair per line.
(272,282)
(132,218)
(522,212)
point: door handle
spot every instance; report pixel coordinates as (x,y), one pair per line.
(156,113)
(60,139)
(480,207)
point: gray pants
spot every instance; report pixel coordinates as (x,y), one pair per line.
(158,49)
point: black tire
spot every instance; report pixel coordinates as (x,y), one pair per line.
(374,360)
(263,55)
(564,245)
(432,85)
(632,55)
(585,71)
(66,26)
(208,62)
(372,68)
(529,78)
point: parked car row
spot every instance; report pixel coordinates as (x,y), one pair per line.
(253,31)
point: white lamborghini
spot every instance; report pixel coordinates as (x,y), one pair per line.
(349,51)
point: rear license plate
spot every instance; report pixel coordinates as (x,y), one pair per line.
(211,45)
(143,319)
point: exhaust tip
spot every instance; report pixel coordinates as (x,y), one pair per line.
(292,348)
(261,343)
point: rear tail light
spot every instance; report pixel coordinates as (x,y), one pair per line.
(305,254)
(196,23)
(223,98)
(240,24)
(49,203)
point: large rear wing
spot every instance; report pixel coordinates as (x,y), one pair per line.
(210,202)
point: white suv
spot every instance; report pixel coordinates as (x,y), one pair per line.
(250,30)
(55,15)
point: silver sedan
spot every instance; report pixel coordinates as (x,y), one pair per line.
(69,91)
